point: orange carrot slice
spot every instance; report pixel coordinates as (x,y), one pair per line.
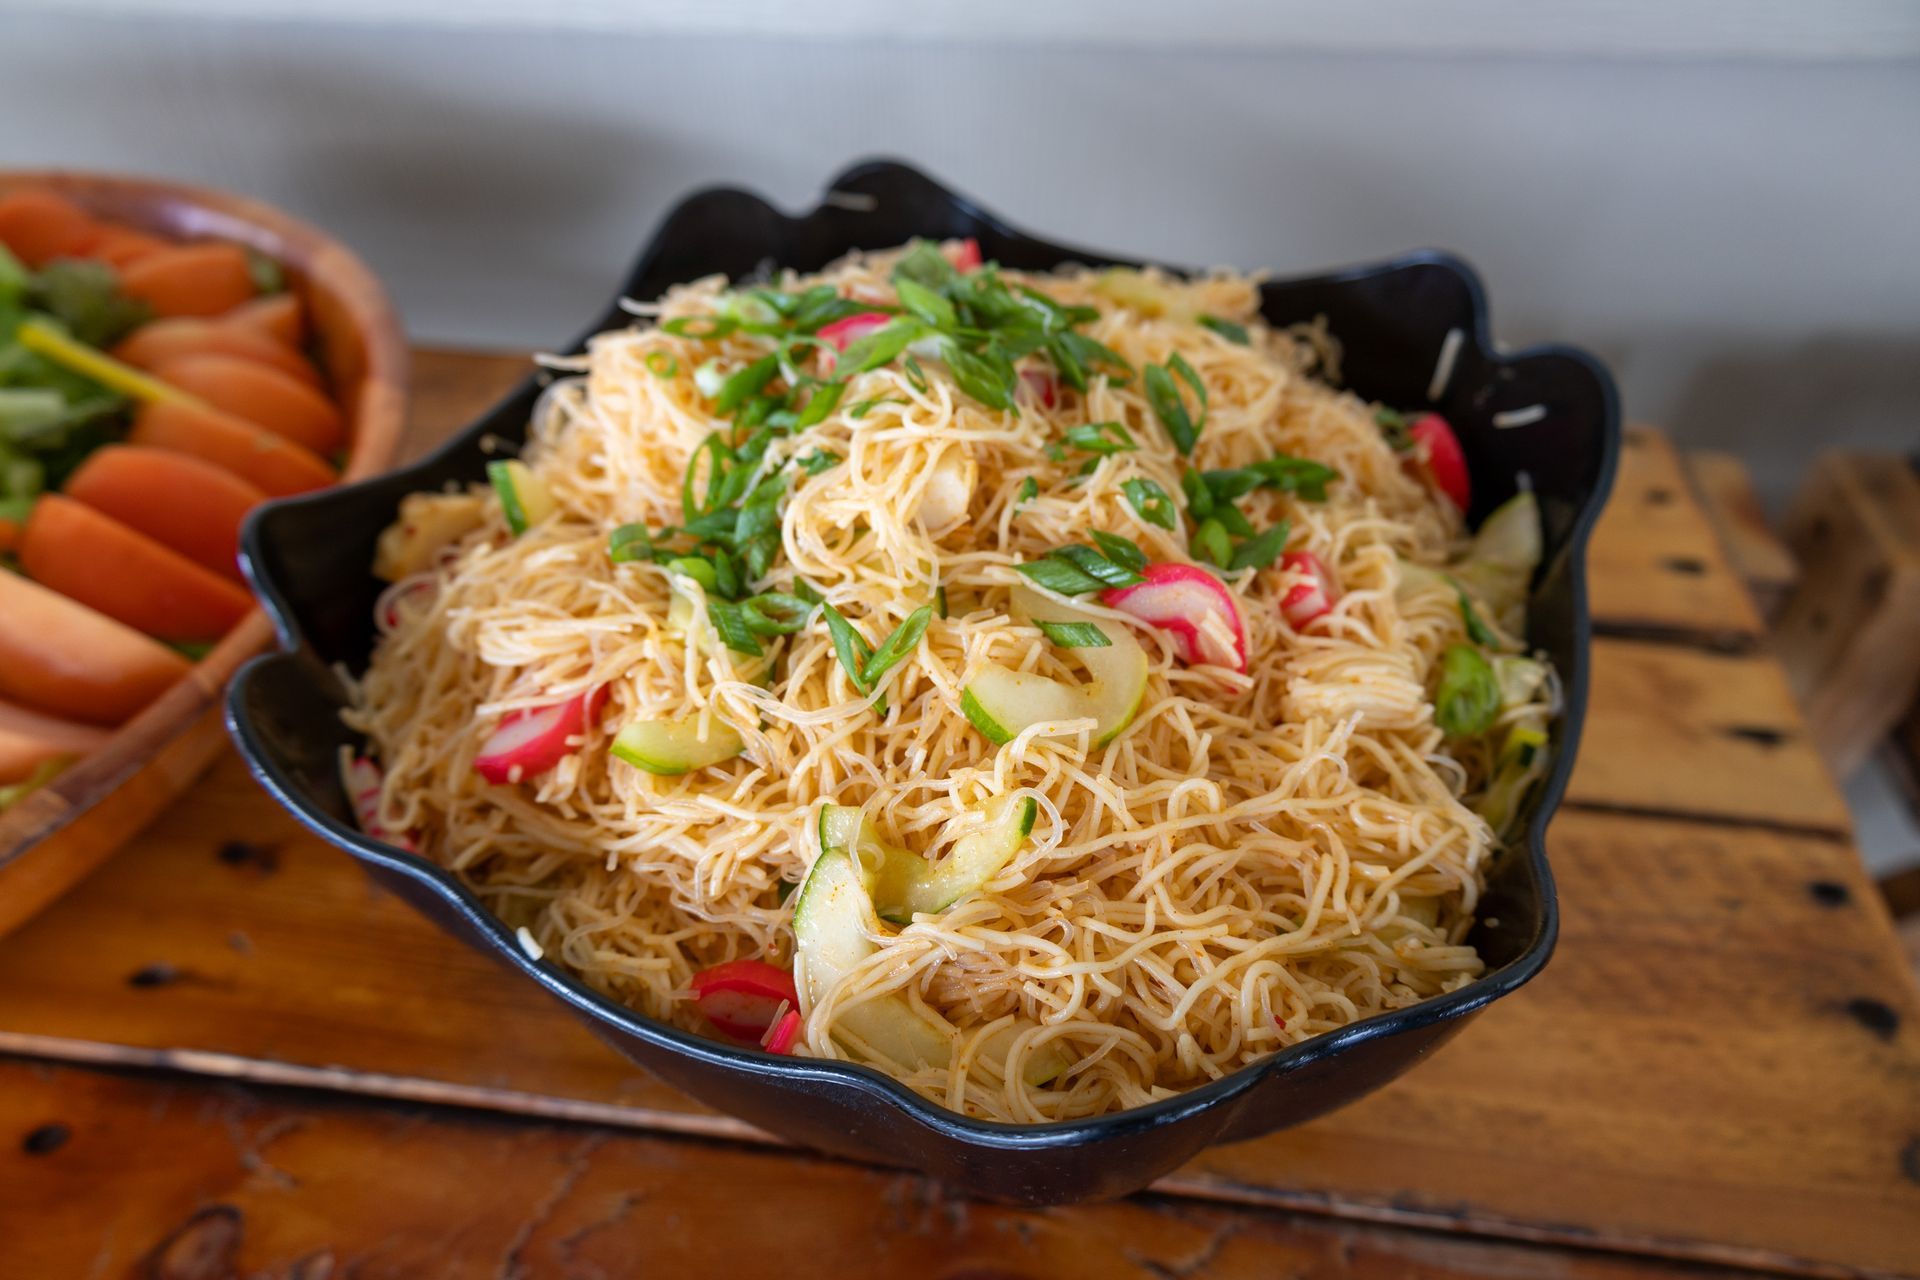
(59,656)
(126,575)
(181,502)
(279,315)
(38,226)
(190,280)
(9,534)
(274,465)
(152,345)
(265,397)
(121,247)
(30,739)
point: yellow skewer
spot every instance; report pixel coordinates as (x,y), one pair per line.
(41,338)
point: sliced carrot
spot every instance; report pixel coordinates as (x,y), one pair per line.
(39,226)
(9,534)
(152,345)
(274,465)
(265,397)
(121,247)
(59,656)
(181,502)
(190,280)
(30,739)
(278,314)
(125,574)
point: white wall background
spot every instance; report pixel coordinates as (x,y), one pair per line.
(1739,235)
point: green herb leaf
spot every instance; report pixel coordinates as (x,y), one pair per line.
(1211,544)
(925,303)
(1150,502)
(1227,329)
(1164,396)
(745,382)
(897,646)
(85,297)
(701,328)
(773,614)
(1260,551)
(1468,699)
(699,568)
(1124,552)
(1074,635)
(879,347)
(1103,438)
(1477,631)
(924,264)
(730,622)
(630,542)
(989,380)
(819,405)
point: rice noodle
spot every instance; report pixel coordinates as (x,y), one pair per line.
(1252,862)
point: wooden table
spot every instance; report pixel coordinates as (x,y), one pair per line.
(226,1053)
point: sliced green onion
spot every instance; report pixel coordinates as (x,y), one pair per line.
(819,405)
(1211,544)
(1227,329)
(1260,551)
(729,621)
(1101,437)
(662,364)
(1122,551)
(701,328)
(1150,502)
(1468,699)
(773,614)
(630,542)
(1164,396)
(1477,631)
(897,646)
(817,461)
(745,382)
(1074,635)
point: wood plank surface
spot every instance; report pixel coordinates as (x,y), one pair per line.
(288,1186)
(1722,1063)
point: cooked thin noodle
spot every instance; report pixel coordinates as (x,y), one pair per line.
(1254,861)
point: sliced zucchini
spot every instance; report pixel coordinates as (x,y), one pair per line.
(1499,566)
(672,747)
(1001,702)
(525,499)
(902,884)
(426,523)
(831,938)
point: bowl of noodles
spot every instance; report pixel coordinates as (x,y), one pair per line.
(964,702)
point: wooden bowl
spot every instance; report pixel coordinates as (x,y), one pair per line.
(62,831)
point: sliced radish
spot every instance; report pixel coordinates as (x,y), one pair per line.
(846,331)
(529,742)
(1191,605)
(1043,386)
(744,997)
(386,609)
(785,1033)
(1313,595)
(363,780)
(1446,460)
(963,254)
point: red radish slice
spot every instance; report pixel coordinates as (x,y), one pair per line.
(1181,599)
(1446,460)
(1313,596)
(362,779)
(744,997)
(1044,387)
(785,1033)
(846,331)
(534,740)
(964,254)
(386,610)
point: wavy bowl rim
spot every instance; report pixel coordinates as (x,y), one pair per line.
(866,1081)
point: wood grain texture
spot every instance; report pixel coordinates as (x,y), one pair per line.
(1759,558)
(1722,1062)
(1706,1069)
(1655,566)
(292,1187)
(67,828)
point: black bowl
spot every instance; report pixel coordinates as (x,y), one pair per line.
(308,559)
